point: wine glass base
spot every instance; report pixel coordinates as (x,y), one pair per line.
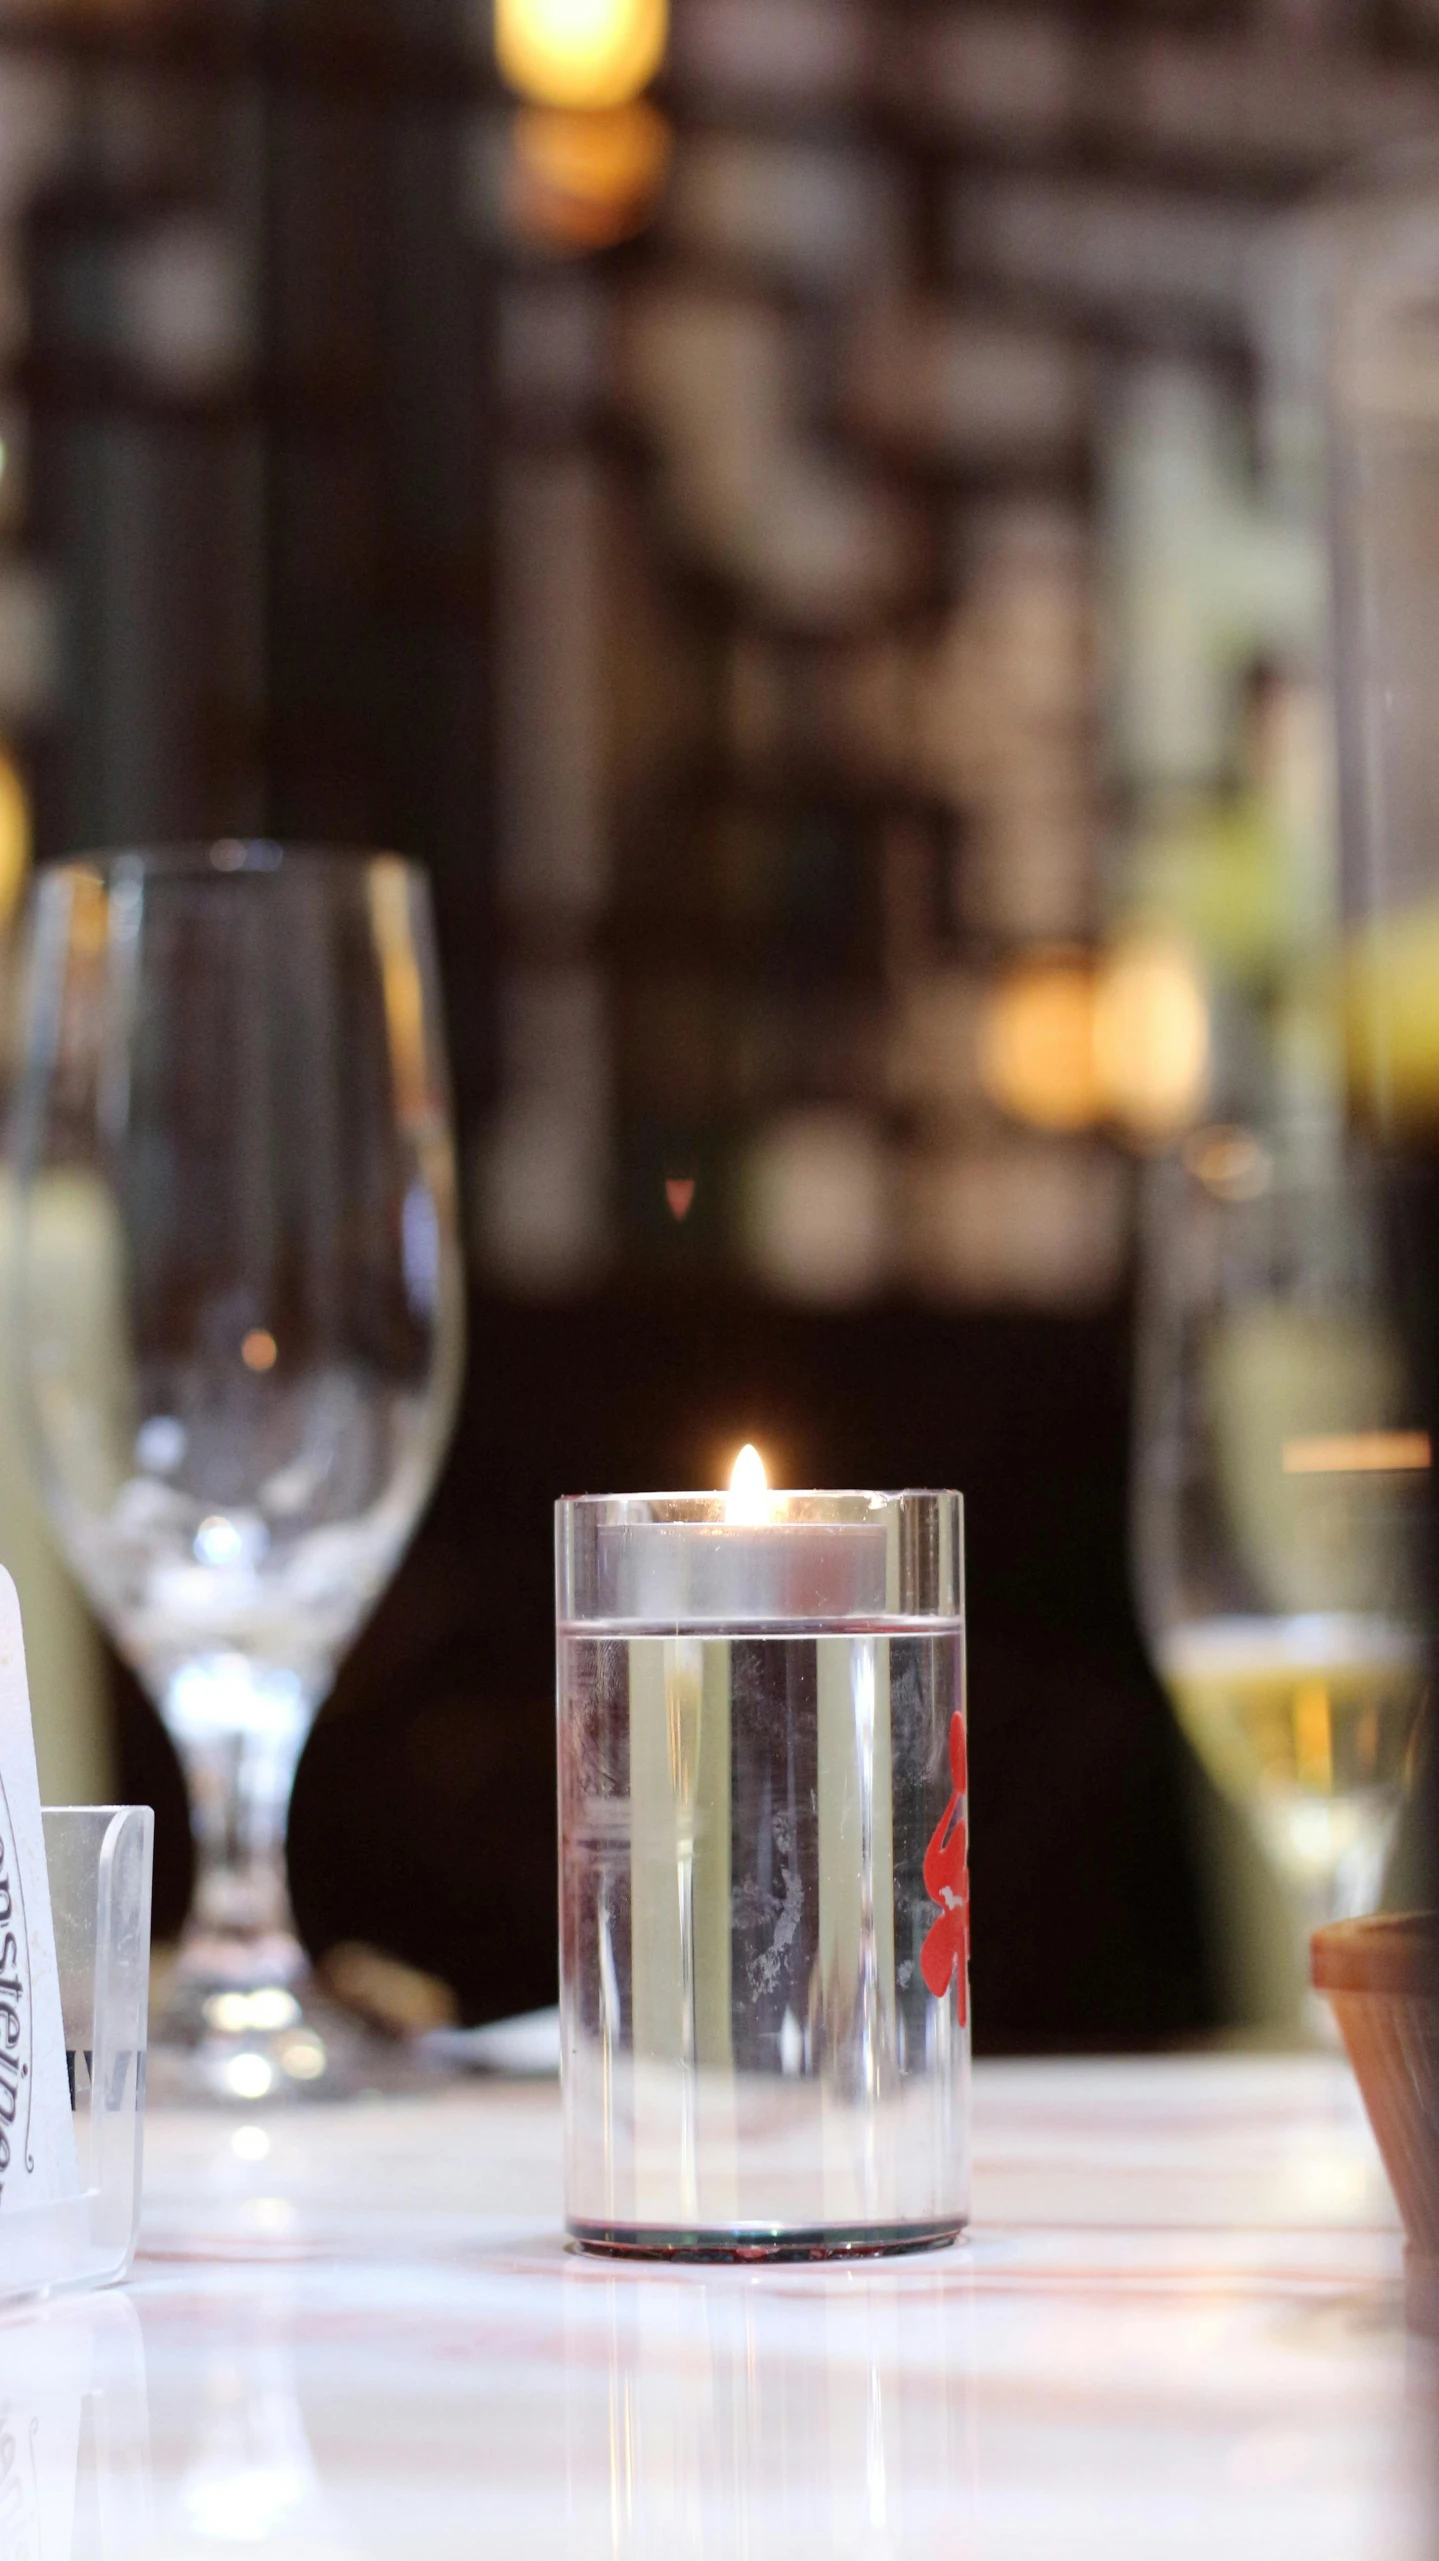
(278,2042)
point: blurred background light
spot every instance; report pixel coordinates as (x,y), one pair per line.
(585,180)
(580,53)
(1234,1163)
(1037,1052)
(816,1207)
(1062,1044)
(1024,1224)
(1151,1035)
(183,305)
(14,836)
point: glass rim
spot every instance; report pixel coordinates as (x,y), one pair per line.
(802,1558)
(220,858)
(703,1500)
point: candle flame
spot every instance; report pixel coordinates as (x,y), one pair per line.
(748,1496)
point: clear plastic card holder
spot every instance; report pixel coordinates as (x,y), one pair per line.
(99,1858)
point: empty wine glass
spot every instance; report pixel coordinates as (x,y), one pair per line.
(239,1305)
(1280,1493)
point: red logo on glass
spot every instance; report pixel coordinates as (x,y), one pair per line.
(946,1881)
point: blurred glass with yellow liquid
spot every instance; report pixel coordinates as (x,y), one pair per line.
(1281,1503)
(1310,1724)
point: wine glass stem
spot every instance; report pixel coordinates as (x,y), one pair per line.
(239,1734)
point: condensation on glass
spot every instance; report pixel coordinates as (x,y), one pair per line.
(764,1876)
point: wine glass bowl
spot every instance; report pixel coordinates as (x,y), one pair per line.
(240,1315)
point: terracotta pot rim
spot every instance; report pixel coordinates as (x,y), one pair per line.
(1395,1953)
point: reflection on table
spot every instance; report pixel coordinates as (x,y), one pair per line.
(74,2432)
(1175,2326)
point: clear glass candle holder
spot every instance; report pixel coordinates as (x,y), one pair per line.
(764,1897)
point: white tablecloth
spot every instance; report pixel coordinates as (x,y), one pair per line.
(1174,2330)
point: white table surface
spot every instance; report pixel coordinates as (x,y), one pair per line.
(1174,2330)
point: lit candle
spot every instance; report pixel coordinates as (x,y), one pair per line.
(761,1560)
(755,1692)
(756,1563)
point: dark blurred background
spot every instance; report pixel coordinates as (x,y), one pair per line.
(823,561)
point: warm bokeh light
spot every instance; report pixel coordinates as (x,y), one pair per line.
(1356,1454)
(14,837)
(748,1496)
(1151,1035)
(259,1350)
(1062,1045)
(1231,1162)
(580,53)
(580,181)
(1036,1047)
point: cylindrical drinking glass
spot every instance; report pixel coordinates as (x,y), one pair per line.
(764,1924)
